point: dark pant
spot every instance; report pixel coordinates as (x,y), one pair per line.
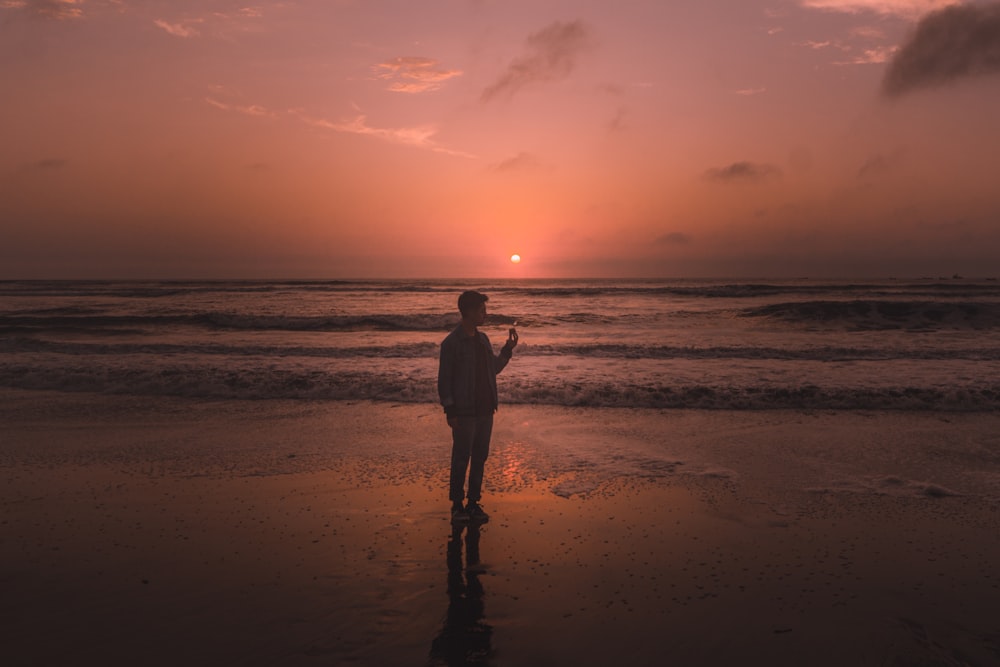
(470,442)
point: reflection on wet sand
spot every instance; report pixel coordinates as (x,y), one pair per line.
(465,637)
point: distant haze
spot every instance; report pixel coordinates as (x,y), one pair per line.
(348,138)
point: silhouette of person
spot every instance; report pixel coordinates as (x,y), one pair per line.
(465,638)
(467,387)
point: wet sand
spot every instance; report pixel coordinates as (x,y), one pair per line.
(164,532)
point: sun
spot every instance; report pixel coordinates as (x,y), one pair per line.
(515,259)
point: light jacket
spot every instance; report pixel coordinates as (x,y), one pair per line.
(457,371)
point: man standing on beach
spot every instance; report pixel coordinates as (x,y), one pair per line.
(467,387)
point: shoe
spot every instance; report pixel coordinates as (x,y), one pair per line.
(476,513)
(459,514)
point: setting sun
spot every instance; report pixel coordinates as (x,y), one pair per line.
(516,259)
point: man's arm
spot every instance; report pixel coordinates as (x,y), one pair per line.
(445,374)
(506,352)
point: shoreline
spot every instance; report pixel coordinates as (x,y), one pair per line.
(283,533)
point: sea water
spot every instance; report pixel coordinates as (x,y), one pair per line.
(929,344)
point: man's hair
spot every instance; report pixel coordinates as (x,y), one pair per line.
(470,300)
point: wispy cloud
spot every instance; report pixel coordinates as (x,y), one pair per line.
(880,164)
(614,89)
(549,55)
(523,161)
(182,29)
(903,8)
(950,45)
(50,9)
(59,9)
(868,32)
(816,45)
(417,136)
(218,24)
(41,169)
(853,54)
(674,238)
(247,110)
(46,164)
(414,74)
(750,92)
(873,56)
(742,172)
(619,121)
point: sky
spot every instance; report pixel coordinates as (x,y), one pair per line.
(397,139)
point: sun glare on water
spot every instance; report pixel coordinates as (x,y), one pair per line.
(515,258)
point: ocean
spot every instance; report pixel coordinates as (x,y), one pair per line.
(250,472)
(929,344)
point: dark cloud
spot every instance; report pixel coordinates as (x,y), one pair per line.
(521,162)
(612,89)
(742,172)
(550,55)
(880,164)
(876,164)
(948,45)
(48,164)
(618,122)
(674,238)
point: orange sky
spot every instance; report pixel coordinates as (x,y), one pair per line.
(340,138)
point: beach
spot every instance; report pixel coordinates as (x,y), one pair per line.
(169,531)
(715,284)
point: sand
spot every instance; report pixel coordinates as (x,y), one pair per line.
(170,531)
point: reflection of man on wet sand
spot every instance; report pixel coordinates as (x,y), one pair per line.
(465,637)
(467,387)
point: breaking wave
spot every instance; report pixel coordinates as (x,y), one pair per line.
(60,321)
(204,381)
(22,344)
(888,314)
(894,345)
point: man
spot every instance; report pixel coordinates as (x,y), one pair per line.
(467,387)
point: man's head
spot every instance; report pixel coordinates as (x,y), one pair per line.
(470,304)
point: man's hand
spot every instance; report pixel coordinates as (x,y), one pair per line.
(512,338)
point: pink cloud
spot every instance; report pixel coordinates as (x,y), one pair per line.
(182,29)
(413,74)
(873,56)
(417,136)
(904,8)
(248,110)
(51,9)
